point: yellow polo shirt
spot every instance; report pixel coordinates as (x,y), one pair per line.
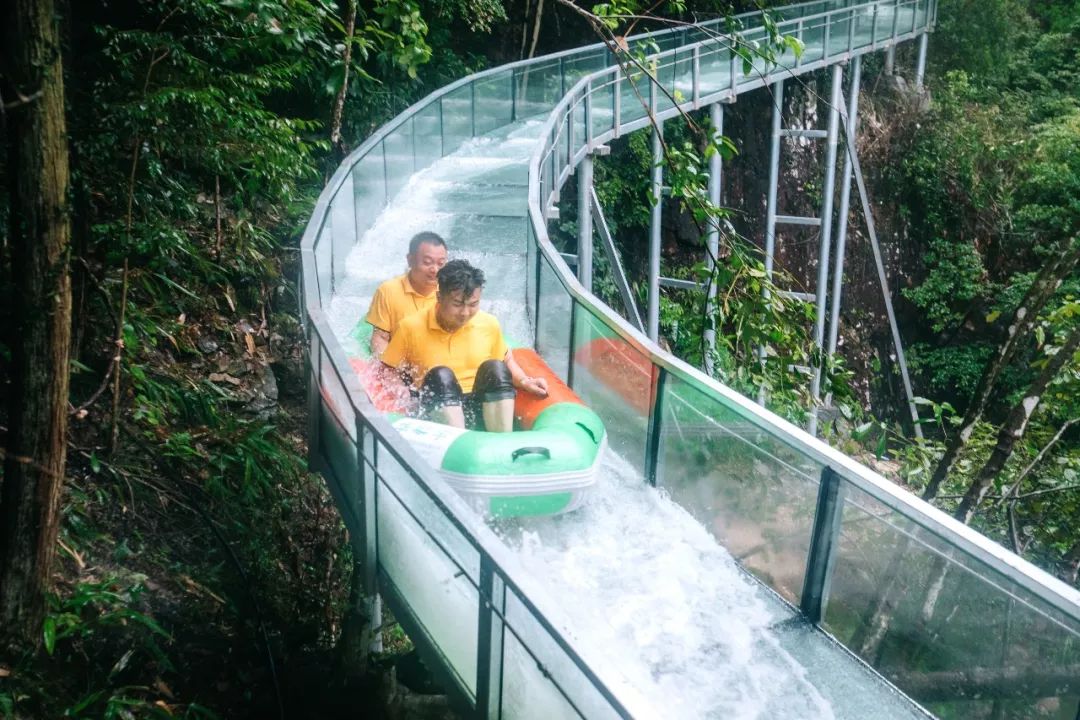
(394,300)
(422,344)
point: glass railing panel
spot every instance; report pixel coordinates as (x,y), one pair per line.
(578,66)
(756,494)
(562,144)
(427,131)
(634,100)
(494,102)
(682,76)
(553,320)
(961,639)
(863,21)
(813,39)
(399,148)
(539,678)
(603,104)
(431,563)
(540,86)
(457,118)
(615,379)
(577,115)
(369,190)
(665,77)
(715,64)
(838,33)
(341,229)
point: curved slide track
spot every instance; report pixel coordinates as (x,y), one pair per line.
(727,561)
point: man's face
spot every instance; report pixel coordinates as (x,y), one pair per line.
(454,309)
(425,263)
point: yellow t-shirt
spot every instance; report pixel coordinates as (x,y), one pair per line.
(422,344)
(394,300)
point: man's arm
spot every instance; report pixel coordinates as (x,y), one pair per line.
(532,385)
(379,340)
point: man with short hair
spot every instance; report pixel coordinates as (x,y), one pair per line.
(454,354)
(406,294)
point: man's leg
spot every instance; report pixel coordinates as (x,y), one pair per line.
(494,389)
(440,397)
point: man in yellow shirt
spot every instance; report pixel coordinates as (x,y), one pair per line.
(409,293)
(455,356)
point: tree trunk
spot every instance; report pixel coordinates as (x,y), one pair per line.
(349,11)
(1013,429)
(1023,320)
(40,232)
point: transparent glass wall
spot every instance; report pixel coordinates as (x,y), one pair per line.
(756,494)
(615,379)
(959,637)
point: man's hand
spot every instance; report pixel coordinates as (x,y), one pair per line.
(534,386)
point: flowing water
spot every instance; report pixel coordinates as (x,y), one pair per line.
(634,575)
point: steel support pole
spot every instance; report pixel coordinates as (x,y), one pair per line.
(850,128)
(890,60)
(871,231)
(585,227)
(654,231)
(770,206)
(820,308)
(920,66)
(712,240)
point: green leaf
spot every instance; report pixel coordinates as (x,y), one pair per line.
(49,634)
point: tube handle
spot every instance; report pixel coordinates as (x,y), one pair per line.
(531,450)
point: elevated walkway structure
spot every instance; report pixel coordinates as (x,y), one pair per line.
(772,576)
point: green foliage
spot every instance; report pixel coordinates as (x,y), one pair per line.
(955,279)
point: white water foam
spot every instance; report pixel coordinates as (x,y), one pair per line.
(640,578)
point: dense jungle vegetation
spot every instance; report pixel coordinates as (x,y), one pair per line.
(200,570)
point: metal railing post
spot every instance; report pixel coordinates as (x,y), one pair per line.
(585,228)
(513,95)
(733,69)
(616,101)
(489,647)
(850,126)
(824,539)
(712,242)
(472,108)
(588,116)
(826,37)
(873,28)
(655,219)
(799,27)
(825,243)
(656,418)
(695,75)
(770,204)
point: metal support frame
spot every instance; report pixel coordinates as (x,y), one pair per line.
(825,241)
(851,122)
(712,239)
(883,279)
(585,227)
(824,539)
(890,58)
(655,220)
(770,206)
(920,65)
(617,272)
